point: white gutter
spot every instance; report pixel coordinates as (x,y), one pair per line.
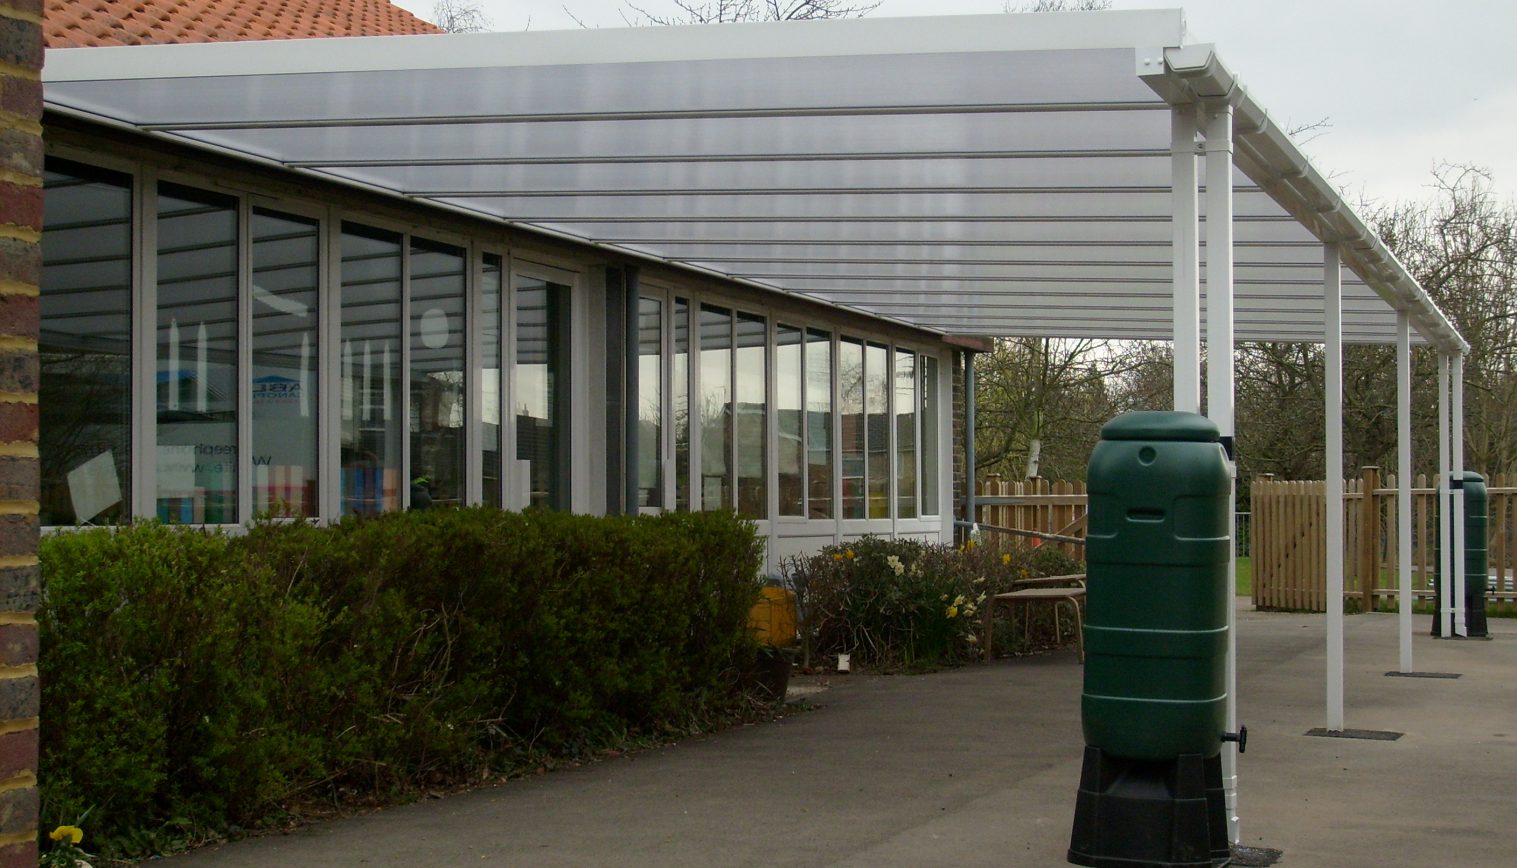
(1269,158)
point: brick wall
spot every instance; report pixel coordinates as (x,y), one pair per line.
(20,267)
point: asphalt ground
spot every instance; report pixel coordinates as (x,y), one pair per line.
(979,766)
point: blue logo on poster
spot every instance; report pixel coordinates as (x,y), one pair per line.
(275,389)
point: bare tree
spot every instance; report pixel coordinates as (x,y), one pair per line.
(730,11)
(1041,402)
(1058,6)
(1462,248)
(460,16)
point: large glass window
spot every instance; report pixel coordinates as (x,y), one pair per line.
(877,426)
(789,391)
(851,390)
(752,375)
(716,408)
(370,370)
(819,424)
(84,350)
(286,277)
(197,356)
(929,436)
(681,378)
(650,402)
(491,363)
(905,434)
(437,407)
(541,393)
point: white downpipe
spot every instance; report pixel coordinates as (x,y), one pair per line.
(1404,487)
(1456,442)
(1332,303)
(1219,394)
(1185,245)
(1446,584)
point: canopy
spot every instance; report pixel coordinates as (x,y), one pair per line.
(985,175)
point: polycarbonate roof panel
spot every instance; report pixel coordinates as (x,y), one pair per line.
(994,175)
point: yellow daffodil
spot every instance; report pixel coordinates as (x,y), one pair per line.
(73,834)
(850,554)
(1006,560)
(953,612)
(837,557)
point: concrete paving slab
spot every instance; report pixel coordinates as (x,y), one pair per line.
(978,766)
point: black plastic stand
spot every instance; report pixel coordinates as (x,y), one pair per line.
(1142,813)
(1475,624)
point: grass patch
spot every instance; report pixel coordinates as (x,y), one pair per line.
(1245,587)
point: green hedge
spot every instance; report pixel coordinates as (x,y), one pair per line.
(194,682)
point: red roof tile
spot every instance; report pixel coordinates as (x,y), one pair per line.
(79,23)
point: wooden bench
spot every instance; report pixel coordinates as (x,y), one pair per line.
(1053,591)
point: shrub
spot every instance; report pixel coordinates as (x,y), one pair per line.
(193,682)
(902,602)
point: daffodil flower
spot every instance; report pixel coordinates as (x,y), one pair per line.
(73,834)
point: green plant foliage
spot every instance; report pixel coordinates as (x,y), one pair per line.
(193,682)
(893,603)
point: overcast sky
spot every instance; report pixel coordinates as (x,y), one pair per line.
(1405,85)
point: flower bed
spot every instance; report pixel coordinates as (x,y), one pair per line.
(894,603)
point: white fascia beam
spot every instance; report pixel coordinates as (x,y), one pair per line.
(1267,155)
(1456,443)
(1404,488)
(1219,393)
(1445,473)
(942,34)
(1185,246)
(1332,338)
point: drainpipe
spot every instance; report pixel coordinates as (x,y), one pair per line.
(630,368)
(969,470)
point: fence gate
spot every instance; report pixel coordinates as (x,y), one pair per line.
(1289,543)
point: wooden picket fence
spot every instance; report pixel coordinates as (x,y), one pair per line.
(1290,548)
(1035,509)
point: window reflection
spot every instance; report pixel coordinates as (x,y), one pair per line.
(681,378)
(370,370)
(752,370)
(876,400)
(491,364)
(84,348)
(541,392)
(789,386)
(819,424)
(716,408)
(905,434)
(437,407)
(851,391)
(197,356)
(286,275)
(929,436)
(650,399)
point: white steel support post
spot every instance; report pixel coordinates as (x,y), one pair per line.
(1219,395)
(1446,584)
(1332,303)
(1456,549)
(1185,244)
(1404,487)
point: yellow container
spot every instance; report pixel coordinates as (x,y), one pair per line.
(772,618)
